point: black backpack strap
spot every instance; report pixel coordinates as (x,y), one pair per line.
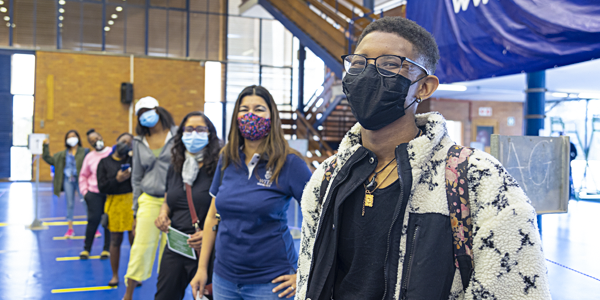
(326,179)
(457,193)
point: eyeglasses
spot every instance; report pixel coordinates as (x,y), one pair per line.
(387,65)
(198,129)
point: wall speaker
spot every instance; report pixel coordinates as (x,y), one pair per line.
(126,92)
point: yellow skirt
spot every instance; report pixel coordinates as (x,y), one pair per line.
(120,214)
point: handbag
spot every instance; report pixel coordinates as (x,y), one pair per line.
(104,218)
(196,224)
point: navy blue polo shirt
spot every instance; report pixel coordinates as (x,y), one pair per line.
(254,244)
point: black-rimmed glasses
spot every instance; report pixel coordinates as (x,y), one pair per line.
(198,129)
(387,65)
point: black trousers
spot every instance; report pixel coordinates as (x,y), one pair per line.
(176,272)
(95,209)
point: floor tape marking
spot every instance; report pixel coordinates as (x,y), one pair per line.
(62,238)
(64,223)
(75,258)
(84,289)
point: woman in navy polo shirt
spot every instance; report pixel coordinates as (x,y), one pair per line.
(257,176)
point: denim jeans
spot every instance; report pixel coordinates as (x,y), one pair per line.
(70,187)
(227,290)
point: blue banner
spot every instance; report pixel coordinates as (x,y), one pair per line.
(486,38)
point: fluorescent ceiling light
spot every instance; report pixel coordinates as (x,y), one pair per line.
(114,16)
(560,95)
(589,95)
(106,28)
(452,87)
(119,8)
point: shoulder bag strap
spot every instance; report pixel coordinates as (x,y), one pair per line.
(195,221)
(457,193)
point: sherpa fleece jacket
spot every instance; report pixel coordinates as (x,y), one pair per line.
(508,258)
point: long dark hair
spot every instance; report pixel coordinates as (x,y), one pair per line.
(274,146)
(210,152)
(67,136)
(165,118)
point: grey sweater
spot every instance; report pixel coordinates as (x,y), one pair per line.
(149,173)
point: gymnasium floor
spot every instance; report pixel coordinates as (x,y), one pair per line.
(29,268)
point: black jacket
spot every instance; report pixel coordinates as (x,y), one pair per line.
(427,275)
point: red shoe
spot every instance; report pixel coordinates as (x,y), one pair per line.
(70,233)
(98,234)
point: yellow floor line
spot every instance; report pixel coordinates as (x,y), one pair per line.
(3,224)
(61,238)
(83,289)
(61,218)
(75,258)
(64,223)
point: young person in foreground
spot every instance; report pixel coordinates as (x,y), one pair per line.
(381,227)
(257,176)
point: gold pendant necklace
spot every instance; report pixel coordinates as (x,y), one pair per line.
(369,195)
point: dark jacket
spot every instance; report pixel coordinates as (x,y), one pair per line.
(58,160)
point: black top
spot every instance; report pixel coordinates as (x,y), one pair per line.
(363,244)
(177,199)
(108,168)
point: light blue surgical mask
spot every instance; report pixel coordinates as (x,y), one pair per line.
(194,142)
(149,118)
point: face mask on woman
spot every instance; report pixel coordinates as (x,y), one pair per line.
(99,145)
(253,127)
(72,141)
(194,142)
(149,118)
(122,149)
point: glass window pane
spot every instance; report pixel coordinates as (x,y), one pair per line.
(198,33)
(276,44)
(243,40)
(4,26)
(92,27)
(23,74)
(177,30)
(161,3)
(157,36)
(136,30)
(279,83)
(22,119)
(24,24)
(115,37)
(214,36)
(240,76)
(178,3)
(71,30)
(45,24)
(20,163)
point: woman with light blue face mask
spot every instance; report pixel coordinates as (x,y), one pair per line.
(195,155)
(151,159)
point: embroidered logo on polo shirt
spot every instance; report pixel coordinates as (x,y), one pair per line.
(267,181)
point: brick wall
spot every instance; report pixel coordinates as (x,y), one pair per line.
(467,112)
(87,93)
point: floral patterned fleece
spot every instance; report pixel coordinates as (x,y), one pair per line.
(507,250)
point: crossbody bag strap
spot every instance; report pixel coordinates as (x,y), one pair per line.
(457,193)
(195,221)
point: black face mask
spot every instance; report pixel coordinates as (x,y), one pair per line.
(122,149)
(376,101)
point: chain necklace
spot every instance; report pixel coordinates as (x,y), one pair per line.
(372,186)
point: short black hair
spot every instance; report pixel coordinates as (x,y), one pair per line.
(125,133)
(422,41)
(165,118)
(90,131)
